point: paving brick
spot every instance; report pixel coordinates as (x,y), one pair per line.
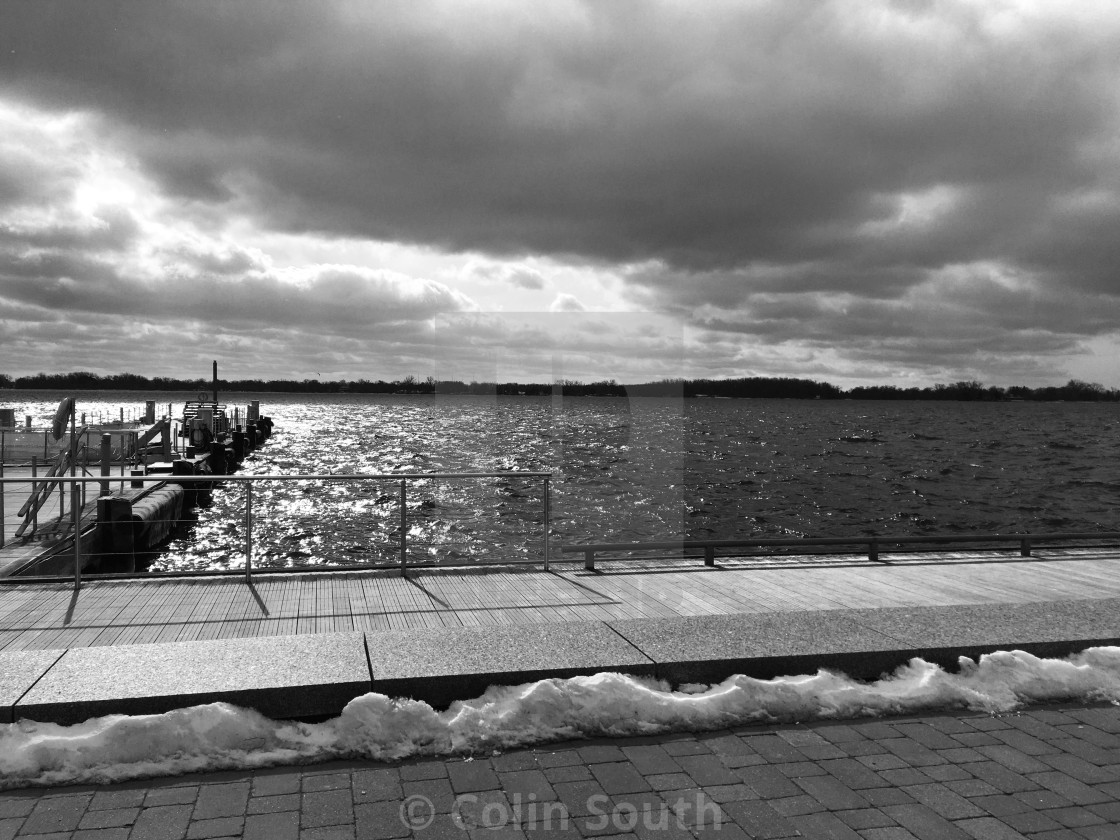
(998,776)
(436,791)
(423,770)
(789,806)
(876,730)
(893,832)
(830,792)
(1024,742)
(1109,810)
(649,760)
(1106,719)
(1077,792)
(619,777)
(882,761)
(723,745)
(1075,817)
(774,749)
(1079,768)
(379,821)
(279,826)
(109,818)
(800,769)
(905,776)
(976,739)
(574,773)
(946,773)
(707,770)
(879,797)
(327,807)
(690,747)
(767,782)
(691,808)
(670,781)
(60,813)
(217,827)
(988,828)
(730,793)
(528,784)
(273,804)
(1001,804)
(315,782)
(971,787)
(275,784)
(825,826)
(221,800)
(1013,759)
(1032,725)
(13,804)
(376,785)
(1042,799)
(861,818)
(106,799)
(510,762)
(580,797)
(1031,822)
(759,820)
(944,801)
(486,809)
(116,833)
(852,773)
(926,735)
(923,822)
(472,776)
(601,753)
(912,752)
(838,733)
(162,822)
(856,749)
(989,724)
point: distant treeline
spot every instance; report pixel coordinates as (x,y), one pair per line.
(749,387)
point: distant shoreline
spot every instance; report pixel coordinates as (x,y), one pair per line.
(738,388)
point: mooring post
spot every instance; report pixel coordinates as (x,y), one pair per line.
(404,532)
(248,532)
(547,500)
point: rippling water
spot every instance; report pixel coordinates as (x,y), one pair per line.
(647,469)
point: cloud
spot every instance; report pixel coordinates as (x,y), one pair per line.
(565,302)
(870,179)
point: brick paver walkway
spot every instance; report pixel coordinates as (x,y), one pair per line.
(1051,773)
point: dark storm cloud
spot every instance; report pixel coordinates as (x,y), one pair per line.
(891,175)
(626,131)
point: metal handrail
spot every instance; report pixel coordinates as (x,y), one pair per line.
(873,543)
(249,480)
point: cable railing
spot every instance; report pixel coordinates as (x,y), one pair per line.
(403,520)
(874,545)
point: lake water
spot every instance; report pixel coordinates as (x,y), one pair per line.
(643,469)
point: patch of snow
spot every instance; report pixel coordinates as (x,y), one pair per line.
(220,736)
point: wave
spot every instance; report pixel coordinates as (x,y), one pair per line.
(221,736)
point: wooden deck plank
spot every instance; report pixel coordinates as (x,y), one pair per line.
(136,611)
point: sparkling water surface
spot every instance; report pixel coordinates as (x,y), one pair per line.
(639,469)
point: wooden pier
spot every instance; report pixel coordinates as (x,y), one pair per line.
(175,609)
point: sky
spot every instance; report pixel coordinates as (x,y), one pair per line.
(859,191)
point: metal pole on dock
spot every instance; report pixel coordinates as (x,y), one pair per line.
(248,532)
(546,517)
(404,537)
(76,509)
(3,488)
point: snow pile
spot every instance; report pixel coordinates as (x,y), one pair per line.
(221,736)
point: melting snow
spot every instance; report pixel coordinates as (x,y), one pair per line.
(220,736)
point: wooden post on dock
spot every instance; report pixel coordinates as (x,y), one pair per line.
(404,532)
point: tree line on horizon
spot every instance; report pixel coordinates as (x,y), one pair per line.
(753,387)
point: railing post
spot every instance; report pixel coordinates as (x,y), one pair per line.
(589,560)
(248,532)
(106,462)
(547,500)
(873,551)
(709,555)
(3,487)
(76,509)
(404,532)
(1025,547)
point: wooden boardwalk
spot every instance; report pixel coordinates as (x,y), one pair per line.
(119,612)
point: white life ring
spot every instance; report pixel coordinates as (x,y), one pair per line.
(62,417)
